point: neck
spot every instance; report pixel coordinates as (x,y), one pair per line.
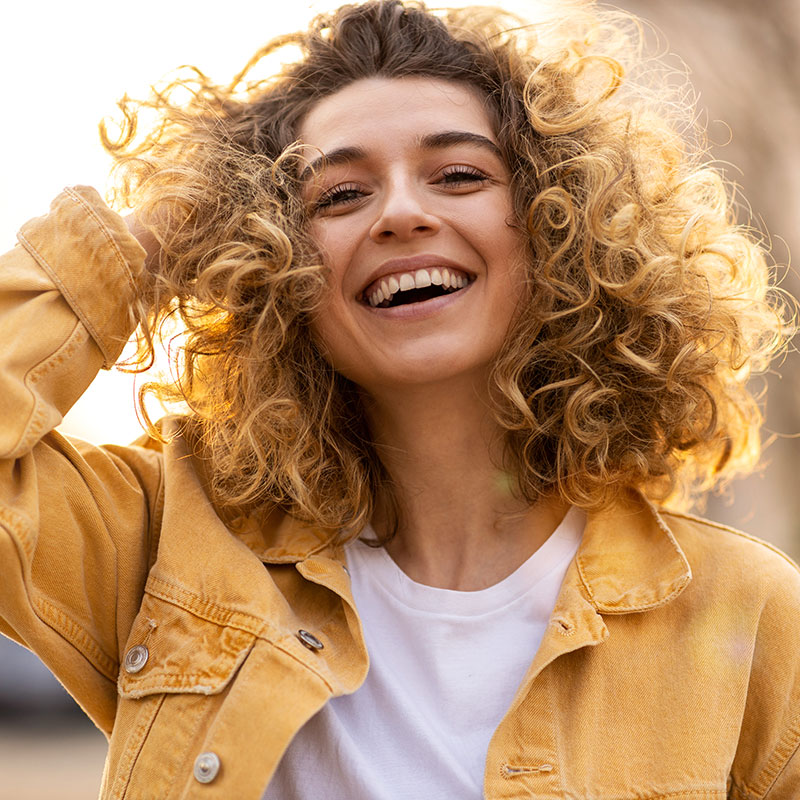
(461,525)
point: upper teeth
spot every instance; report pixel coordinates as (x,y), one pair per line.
(388,287)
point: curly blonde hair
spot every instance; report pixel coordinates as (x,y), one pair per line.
(650,307)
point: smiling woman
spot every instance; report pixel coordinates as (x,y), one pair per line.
(467,320)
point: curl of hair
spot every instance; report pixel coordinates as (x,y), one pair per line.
(648,306)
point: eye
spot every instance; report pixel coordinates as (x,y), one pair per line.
(461,175)
(343,195)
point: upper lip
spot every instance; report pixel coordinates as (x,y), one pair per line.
(411,264)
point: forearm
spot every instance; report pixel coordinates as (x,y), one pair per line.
(67,295)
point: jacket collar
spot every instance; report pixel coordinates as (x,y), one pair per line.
(281,539)
(218,574)
(629,560)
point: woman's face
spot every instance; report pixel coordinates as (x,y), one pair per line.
(412,213)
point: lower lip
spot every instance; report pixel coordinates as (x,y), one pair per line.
(426,308)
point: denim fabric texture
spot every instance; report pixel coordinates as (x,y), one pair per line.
(670,668)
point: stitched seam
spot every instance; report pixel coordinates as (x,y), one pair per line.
(711,794)
(628,608)
(726,529)
(633,608)
(740,791)
(294,556)
(156,517)
(18,528)
(184,765)
(50,614)
(109,238)
(205,609)
(66,349)
(187,677)
(132,750)
(225,617)
(787,746)
(77,636)
(70,298)
(311,669)
(36,423)
(584,581)
(189,680)
(556,728)
(258,630)
(294,657)
(691,792)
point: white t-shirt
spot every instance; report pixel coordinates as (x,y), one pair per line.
(444,668)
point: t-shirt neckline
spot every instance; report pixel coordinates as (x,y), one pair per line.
(377,566)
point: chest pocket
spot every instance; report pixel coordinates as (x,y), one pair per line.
(171,649)
(176,671)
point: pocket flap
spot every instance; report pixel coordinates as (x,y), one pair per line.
(173,650)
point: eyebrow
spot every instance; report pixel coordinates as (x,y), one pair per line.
(431,141)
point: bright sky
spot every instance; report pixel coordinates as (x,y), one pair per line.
(64,65)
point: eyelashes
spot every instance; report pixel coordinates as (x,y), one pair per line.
(462,175)
(344,195)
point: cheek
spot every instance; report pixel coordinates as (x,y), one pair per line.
(336,239)
(337,254)
(324,327)
(513,289)
(331,325)
(511,258)
(332,333)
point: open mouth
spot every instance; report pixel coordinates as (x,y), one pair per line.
(414,287)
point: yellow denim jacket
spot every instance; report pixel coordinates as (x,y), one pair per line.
(670,668)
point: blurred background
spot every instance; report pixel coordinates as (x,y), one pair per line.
(65,65)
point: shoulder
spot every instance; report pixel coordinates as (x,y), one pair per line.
(745,597)
(735,563)
(725,542)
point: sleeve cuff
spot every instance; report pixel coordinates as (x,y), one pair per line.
(95,262)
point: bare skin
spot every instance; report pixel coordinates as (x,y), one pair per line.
(461,528)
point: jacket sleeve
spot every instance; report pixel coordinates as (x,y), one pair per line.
(767,763)
(77,522)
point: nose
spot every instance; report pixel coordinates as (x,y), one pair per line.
(403,215)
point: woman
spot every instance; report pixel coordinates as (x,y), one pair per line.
(462,308)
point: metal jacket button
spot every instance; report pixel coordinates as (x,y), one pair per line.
(136,658)
(206,767)
(309,640)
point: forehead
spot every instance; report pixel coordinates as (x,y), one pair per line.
(391,109)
